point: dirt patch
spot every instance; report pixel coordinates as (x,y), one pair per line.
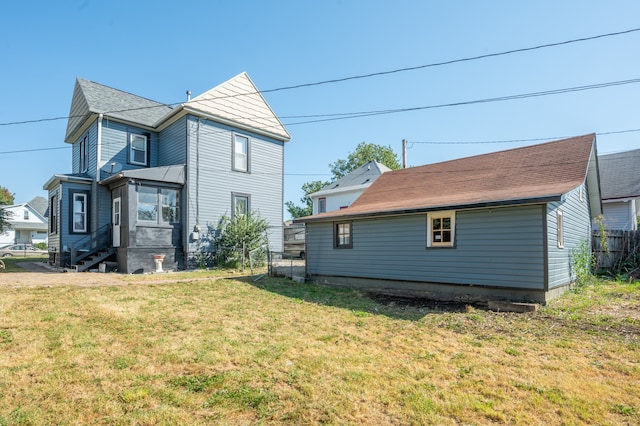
(39,274)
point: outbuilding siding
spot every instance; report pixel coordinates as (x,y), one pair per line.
(500,247)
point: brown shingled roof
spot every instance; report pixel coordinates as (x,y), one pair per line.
(536,173)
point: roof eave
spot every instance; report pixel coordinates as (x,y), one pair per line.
(397,212)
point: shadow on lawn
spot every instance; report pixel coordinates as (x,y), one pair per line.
(406,308)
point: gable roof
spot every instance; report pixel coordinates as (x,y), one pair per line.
(239,102)
(40,205)
(359,179)
(620,175)
(532,174)
(94,98)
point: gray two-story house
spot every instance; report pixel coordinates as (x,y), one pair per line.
(150,179)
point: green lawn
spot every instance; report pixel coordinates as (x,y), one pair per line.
(233,351)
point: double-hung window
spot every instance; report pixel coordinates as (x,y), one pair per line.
(322,205)
(342,235)
(138,149)
(240,153)
(559,217)
(79,203)
(441,228)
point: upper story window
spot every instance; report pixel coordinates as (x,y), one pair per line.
(343,235)
(240,204)
(138,149)
(79,207)
(26,215)
(322,205)
(441,228)
(240,153)
(152,200)
(83,162)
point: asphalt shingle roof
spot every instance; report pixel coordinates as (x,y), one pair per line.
(620,175)
(514,176)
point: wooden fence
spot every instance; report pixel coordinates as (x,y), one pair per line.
(622,251)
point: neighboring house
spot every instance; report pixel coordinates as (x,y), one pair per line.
(494,226)
(341,193)
(151,180)
(28,223)
(620,184)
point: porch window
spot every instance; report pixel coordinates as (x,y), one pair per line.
(138,149)
(240,204)
(441,228)
(560,229)
(342,235)
(240,153)
(79,212)
(153,200)
(322,205)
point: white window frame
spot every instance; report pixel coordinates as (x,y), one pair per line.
(240,153)
(322,205)
(79,196)
(133,150)
(560,228)
(445,214)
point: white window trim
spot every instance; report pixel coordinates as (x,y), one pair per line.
(560,228)
(322,208)
(77,195)
(132,150)
(441,214)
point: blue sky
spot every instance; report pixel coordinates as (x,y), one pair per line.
(160,49)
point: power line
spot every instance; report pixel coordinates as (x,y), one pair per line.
(355,77)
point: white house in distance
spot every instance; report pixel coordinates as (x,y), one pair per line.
(341,193)
(28,223)
(620,186)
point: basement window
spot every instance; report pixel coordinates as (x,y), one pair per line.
(441,228)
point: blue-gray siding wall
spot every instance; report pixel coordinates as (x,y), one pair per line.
(172,148)
(54,239)
(115,145)
(577,228)
(92,133)
(501,247)
(217,180)
(67,239)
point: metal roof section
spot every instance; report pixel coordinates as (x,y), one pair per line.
(532,174)
(170,174)
(91,98)
(358,179)
(620,175)
(238,102)
(57,178)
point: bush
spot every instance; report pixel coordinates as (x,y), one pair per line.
(238,236)
(582,263)
(41,246)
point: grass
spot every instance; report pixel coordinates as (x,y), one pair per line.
(232,351)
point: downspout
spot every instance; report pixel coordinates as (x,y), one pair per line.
(94,183)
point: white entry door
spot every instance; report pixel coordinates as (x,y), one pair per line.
(115,219)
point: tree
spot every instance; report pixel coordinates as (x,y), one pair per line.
(6,198)
(238,236)
(307,188)
(364,153)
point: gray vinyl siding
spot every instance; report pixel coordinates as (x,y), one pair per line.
(618,215)
(172,148)
(263,184)
(92,142)
(577,228)
(54,239)
(500,247)
(115,145)
(67,239)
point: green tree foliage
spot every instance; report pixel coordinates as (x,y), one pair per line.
(363,153)
(307,188)
(239,235)
(6,198)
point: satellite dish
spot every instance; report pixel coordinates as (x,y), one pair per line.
(112,167)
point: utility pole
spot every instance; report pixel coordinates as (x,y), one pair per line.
(404,153)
